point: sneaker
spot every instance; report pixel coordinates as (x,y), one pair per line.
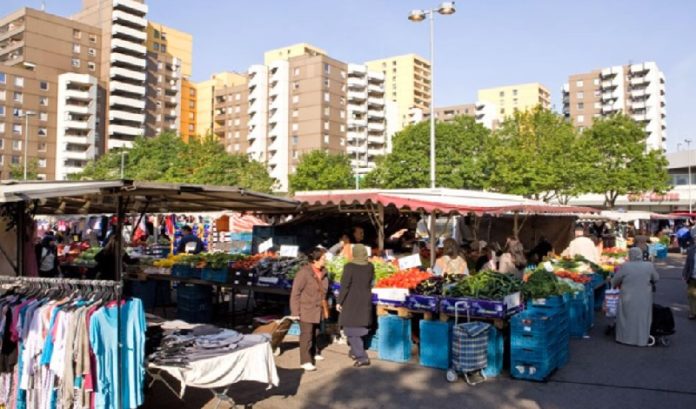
(308,367)
(318,358)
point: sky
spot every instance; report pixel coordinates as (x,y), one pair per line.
(486,43)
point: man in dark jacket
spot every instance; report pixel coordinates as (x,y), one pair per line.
(189,243)
(689,275)
(355,302)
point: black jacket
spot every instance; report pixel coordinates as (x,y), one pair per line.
(689,264)
(188,239)
(356,295)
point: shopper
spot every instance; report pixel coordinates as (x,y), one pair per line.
(308,305)
(582,246)
(641,241)
(47,256)
(513,261)
(684,238)
(450,262)
(190,243)
(634,315)
(541,250)
(355,303)
(689,275)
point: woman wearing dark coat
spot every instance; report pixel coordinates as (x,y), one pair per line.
(308,305)
(355,302)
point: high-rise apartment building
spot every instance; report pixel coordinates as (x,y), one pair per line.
(205,99)
(366,117)
(36,50)
(296,50)
(638,90)
(448,113)
(513,98)
(407,86)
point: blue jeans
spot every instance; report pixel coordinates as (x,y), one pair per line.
(355,340)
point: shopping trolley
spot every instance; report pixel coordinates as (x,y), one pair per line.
(469,347)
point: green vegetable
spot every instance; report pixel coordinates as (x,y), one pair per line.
(486,285)
(542,284)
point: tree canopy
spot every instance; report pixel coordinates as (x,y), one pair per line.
(459,157)
(319,170)
(167,158)
(615,146)
(17,171)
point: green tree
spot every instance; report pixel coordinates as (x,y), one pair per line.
(537,153)
(615,146)
(17,171)
(167,158)
(459,159)
(319,170)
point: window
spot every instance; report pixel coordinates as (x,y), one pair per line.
(294,139)
(327,97)
(2,160)
(2,127)
(91,52)
(598,105)
(42,163)
(76,63)
(17,96)
(156,47)
(343,114)
(236,135)
(15,160)
(514,92)
(19,82)
(17,145)
(514,101)
(236,147)
(76,33)
(237,109)
(43,85)
(191,128)
(326,82)
(42,146)
(343,128)
(343,74)
(2,143)
(581,105)
(42,131)
(596,81)
(17,112)
(164,36)
(343,141)
(581,119)
(295,113)
(327,126)
(2,110)
(502,94)
(192,116)
(295,99)
(76,48)
(296,72)
(3,77)
(295,127)
(502,111)
(163,47)
(327,111)
(581,95)
(579,83)
(237,97)
(43,116)
(581,128)
(295,154)
(157,34)
(597,93)
(92,66)
(327,68)
(326,138)
(343,100)
(92,38)
(192,104)
(296,85)
(236,122)
(17,129)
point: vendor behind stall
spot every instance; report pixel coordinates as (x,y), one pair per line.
(583,246)
(106,260)
(47,256)
(450,262)
(190,243)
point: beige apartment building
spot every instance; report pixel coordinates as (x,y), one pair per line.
(407,86)
(637,90)
(513,98)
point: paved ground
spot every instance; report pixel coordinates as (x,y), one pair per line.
(601,374)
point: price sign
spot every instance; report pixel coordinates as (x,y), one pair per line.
(288,251)
(266,245)
(409,261)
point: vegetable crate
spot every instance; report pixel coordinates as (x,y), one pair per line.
(395,297)
(495,353)
(435,344)
(589,306)
(578,316)
(539,343)
(194,303)
(243,277)
(394,338)
(427,303)
(510,305)
(185,271)
(218,275)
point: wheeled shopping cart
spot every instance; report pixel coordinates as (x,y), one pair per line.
(469,347)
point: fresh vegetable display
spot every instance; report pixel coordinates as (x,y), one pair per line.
(615,252)
(284,267)
(382,268)
(218,260)
(577,277)
(249,262)
(87,256)
(541,284)
(486,285)
(431,286)
(408,279)
(335,268)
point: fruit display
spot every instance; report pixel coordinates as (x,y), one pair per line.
(408,279)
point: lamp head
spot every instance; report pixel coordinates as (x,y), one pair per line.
(446,8)
(417,16)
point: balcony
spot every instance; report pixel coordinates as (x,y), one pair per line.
(78,95)
(638,93)
(379,140)
(639,69)
(125,130)
(119,58)
(357,123)
(79,155)
(375,89)
(639,81)
(375,152)
(355,136)
(120,17)
(357,69)
(130,33)
(118,73)
(375,101)
(641,117)
(377,114)
(607,108)
(126,116)
(124,87)
(355,149)
(357,95)
(356,83)
(609,72)
(375,127)
(609,84)
(78,109)
(70,124)
(639,105)
(131,6)
(127,46)
(116,100)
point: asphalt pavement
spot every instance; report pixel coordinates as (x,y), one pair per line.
(600,374)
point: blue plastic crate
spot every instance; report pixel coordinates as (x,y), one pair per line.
(536,321)
(532,370)
(553,301)
(589,309)
(435,344)
(218,275)
(428,303)
(394,338)
(540,352)
(496,350)
(578,318)
(182,270)
(372,342)
(294,329)
(195,291)
(146,291)
(563,358)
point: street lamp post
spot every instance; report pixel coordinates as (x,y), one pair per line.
(445,9)
(688,152)
(26,115)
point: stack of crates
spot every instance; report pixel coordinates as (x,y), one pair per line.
(539,340)
(394,338)
(435,344)
(496,351)
(589,293)
(578,314)
(194,303)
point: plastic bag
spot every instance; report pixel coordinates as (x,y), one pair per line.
(611,301)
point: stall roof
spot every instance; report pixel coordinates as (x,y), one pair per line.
(626,216)
(440,200)
(101,197)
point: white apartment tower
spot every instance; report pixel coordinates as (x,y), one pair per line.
(278,122)
(638,90)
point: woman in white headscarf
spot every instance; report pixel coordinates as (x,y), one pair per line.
(634,315)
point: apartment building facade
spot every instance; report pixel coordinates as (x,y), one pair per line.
(513,98)
(638,90)
(407,86)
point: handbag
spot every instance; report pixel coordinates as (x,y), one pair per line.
(611,301)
